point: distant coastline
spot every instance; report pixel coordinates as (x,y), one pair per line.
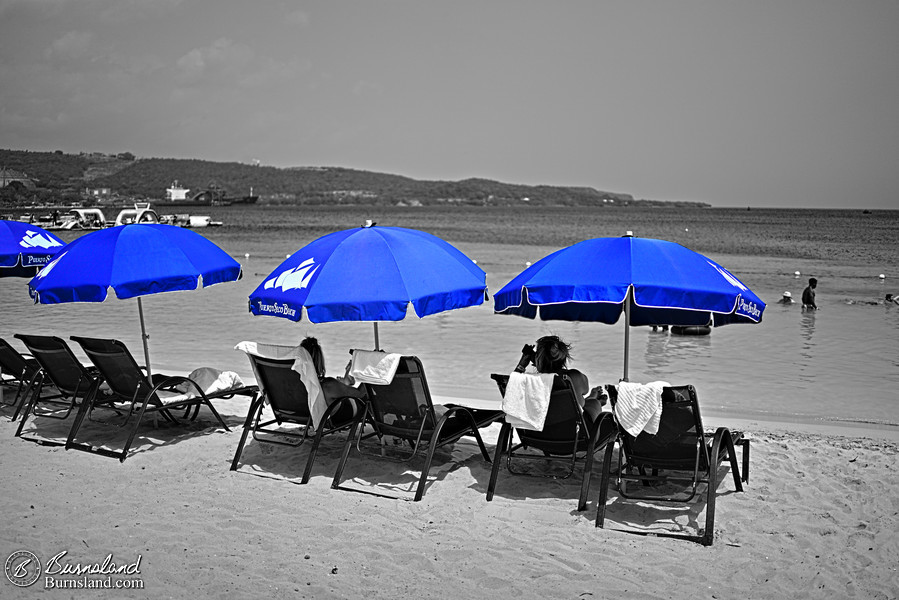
(124,178)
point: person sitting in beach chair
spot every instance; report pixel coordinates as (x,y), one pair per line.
(334,388)
(676,450)
(545,412)
(290,384)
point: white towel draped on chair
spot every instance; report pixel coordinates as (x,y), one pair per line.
(374,366)
(302,364)
(527,399)
(639,406)
(211,381)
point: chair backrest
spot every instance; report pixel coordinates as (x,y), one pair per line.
(680,426)
(564,418)
(58,363)
(282,386)
(117,367)
(406,401)
(12,362)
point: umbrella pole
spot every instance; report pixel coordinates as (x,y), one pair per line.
(627,330)
(377,342)
(144,337)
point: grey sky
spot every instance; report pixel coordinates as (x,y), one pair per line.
(761,103)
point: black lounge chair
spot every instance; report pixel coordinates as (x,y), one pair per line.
(567,437)
(133,393)
(681,453)
(282,388)
(16,371)
(403,410)
(60,369)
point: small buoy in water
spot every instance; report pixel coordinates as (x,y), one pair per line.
(527,264)
(882,276)
(247,255)
(474,261)
(286,256)
(686,229)
(796,274)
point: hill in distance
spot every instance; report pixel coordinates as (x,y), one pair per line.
(130,177)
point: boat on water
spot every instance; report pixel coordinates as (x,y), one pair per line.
(93,218)
(190,221)
(178,196)
(141,213)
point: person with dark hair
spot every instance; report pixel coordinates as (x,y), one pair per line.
(808,295)
(334,388)
(551,355)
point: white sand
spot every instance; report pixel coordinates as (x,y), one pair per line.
(818,519)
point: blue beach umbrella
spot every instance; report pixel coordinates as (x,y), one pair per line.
(652,282)
(370,274)
(132,260)
(25,248)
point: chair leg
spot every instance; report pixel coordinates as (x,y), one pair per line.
(83,409)
(420,490)
(140,417)
(502,443)
(255,407)
(744,444)
(307,472)
(214,412)
(588,470)
(734,466)
(21,402)
(712,492)
(347,446)
(604,485)
(29,406)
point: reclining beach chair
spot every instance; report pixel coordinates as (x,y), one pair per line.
(16,371)
(60,369)
(567,438)
(681,453)
(282,388)
(403,410)
(136,395)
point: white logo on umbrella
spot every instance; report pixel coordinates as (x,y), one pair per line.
(730,278)
(33,239)
(294,279)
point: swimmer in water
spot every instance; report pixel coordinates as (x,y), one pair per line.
(787,298)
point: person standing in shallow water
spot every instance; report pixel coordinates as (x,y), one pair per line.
(808,295)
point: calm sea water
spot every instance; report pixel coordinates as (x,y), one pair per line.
(838,365)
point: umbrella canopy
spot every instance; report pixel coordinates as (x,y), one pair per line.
(370,274)
(653,282)
(133,261)
(25,248)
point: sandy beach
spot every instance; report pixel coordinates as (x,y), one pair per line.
(818,519)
